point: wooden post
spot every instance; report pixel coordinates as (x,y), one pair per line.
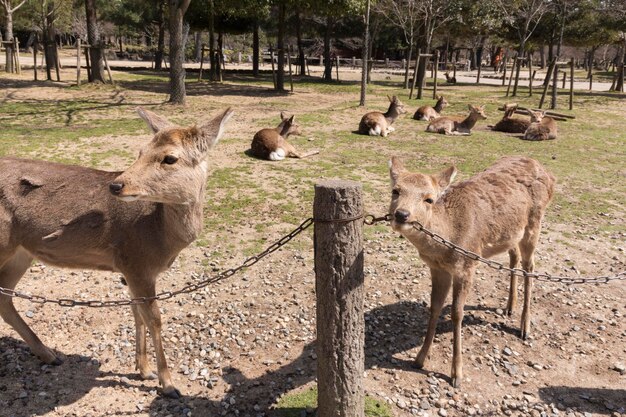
(547,82)
(564,78)
(201,62)
(590,82)
(480,66)
(220,62)
(289,63)
(18,67)
(571,85)
(531,75)
(339,280)
(337,62)
(435,75)
(454,70)
(511,76)
(106,64)
(78,62)
(273,69)
(518,67)
(420,86)
(306,63)
(555,81)
(417,60)
(57,62)
(88,64)
(506,61)
(35,47)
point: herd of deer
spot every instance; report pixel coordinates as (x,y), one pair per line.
(136,222)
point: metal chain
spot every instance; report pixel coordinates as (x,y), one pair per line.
(64,302)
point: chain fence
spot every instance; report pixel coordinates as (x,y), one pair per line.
(250,261)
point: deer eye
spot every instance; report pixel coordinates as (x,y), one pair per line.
(395,193)
(170,159)
(429,200)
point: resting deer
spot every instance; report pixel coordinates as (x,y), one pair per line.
(497,210)
(542,127)
(449,79)
(430,113)
(450,126)
(509,123)
(134,222)
(272,143)
(376,123)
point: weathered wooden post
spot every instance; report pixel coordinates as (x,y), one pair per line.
(337,62)
(555,81)
(106,64)
(78,62)
(417,60)
(338,243)
(515,64)
(435,76)
(273,69)
(590,82)
(35,47)
(289,63)
(506,61)
(571,85)
(201,62)
(546,83)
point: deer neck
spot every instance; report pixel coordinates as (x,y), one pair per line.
(470,121)
(283,130)
(440,223)
(438,107)
(182,223)
(392,113)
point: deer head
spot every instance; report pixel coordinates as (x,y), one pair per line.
(478,112)
(413,195)
(288,125)
(441,101)
(397,104)
(172,167)
(536,116)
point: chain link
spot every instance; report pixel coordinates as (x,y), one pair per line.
(165,295)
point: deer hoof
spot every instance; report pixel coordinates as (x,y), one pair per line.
(456,382)
(171,392)
(56,362)
(149,375)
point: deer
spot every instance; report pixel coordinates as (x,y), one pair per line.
(429,113)
(498,210)
(510,124)
(133,222)
(272,144)
(376,123)
(542,127)
(449,126)
(450,79)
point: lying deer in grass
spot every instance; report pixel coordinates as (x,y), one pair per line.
(497,210)
(450,126)
(376,123)
(272,143)
(134,222)
(449,79)
(509,123)
(542,127)
(429,113)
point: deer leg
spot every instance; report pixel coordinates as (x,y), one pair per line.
(151,316)
(290,150)
(513,263)
(10,273)
(461,287)
(141,357)
(527,249)
(441,282)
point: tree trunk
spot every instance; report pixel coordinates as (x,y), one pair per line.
(219,56)
(409,57)
(9,37)
(299,41)
(93,37)
(48,38)
(479,52)
(365,55)
(158,57)
(255,49)
(212,63)
(328,63)
(542,56)
(177,51)
(197,37)
(280,73)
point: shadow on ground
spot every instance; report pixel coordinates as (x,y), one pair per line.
(591,400)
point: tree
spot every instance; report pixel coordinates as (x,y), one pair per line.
(9,9)
(365,55)
(177,51)
(93,37)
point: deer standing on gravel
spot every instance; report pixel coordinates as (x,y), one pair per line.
(509,123)
(542,127)
(272,143)
(497,210)
(429,113)
(133,222)
(376,123)
(449,126)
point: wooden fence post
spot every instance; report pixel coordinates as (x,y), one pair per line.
(571,85)
(273,69)
(555,81)
(35,47)
(201,62)
(337,62)
(546,84)
(435,76)
(338,243)
(515,64)
(289,63)
(78,62)
(417,60)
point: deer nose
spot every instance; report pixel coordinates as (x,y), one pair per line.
(401,216)
(116,187)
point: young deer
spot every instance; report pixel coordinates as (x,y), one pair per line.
(497,210)
(449,79)
(376,123)
(542,127)
(450,126)
(134,222)
(272,143)
(429,113)
(510,124)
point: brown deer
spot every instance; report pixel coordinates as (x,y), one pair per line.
(376,123)
(429,113)
(272,143)
(450,79)
(509,123)
(133,222)
(450,126)
(497,210)
(542,127)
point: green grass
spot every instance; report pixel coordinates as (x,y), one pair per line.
(292,405)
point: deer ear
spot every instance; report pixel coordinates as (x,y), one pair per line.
(210,132)
(154,121)
(470,107)
(389,97)
(292,119)
(283,116)
(395,169)
(445,177)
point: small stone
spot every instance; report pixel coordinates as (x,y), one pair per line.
(401,403)
(23,394)
(507,351)
(30,314)
(443,412)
